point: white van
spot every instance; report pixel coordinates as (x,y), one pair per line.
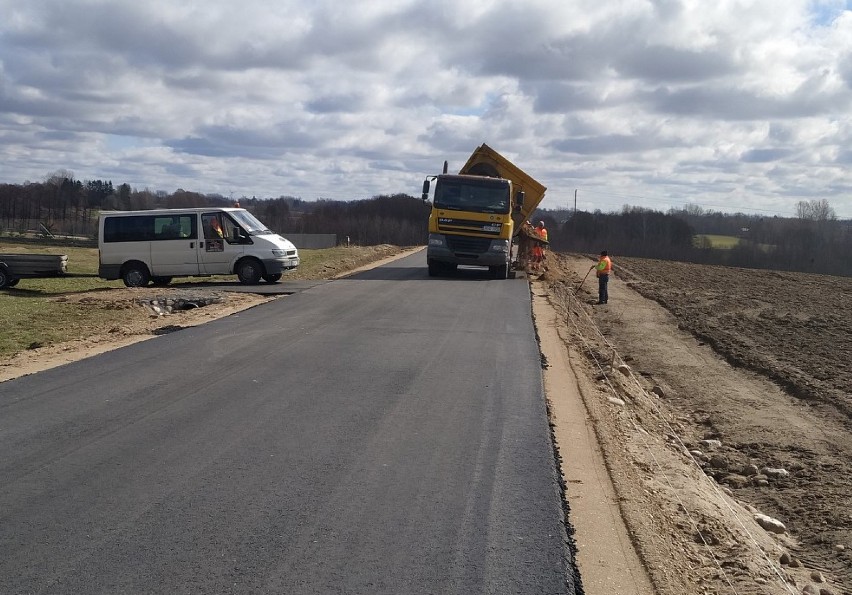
(157,245)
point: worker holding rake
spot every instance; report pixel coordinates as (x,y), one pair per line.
(603,269)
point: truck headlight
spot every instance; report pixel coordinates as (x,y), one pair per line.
(500,246)
(436,239)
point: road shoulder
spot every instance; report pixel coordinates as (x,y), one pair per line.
(606,558)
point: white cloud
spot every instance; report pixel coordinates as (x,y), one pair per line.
(729,104)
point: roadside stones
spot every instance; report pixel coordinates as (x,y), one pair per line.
(615,401)
(711,444)
(657,390)
(788,560)
(624,369)
(770,524)
(161,306)
(775,473)
(718,461)
(817,577)
(699,456)
(735,481)
(749,470)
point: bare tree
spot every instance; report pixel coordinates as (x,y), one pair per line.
(815,210)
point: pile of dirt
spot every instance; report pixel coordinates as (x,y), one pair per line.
(728,482)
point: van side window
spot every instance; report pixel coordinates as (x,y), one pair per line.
(174,227)
(128,229)
(145,228)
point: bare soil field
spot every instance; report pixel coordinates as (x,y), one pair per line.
(718,395)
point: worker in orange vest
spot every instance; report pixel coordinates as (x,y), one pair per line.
(539,249)
(603,269)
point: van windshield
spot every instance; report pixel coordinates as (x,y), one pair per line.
(249,223)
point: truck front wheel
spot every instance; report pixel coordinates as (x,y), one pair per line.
(500,272)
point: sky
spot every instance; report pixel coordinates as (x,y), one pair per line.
(730,105)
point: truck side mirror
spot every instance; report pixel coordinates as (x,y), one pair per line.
(425,190)
(519,199)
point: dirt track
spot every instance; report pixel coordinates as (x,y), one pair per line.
(782,418)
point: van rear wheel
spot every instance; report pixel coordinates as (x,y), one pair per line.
(249,271)
(161,281)
(135,275)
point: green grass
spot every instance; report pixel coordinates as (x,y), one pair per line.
(34,313)
(716,241)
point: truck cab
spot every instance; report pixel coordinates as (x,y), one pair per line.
(476,213)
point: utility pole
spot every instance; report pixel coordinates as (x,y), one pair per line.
(575,201)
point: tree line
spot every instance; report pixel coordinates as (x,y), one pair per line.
(814,241)
(64,206)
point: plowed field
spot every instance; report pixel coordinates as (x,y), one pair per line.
(795,328)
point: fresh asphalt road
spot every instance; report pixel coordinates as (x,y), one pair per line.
(383,433)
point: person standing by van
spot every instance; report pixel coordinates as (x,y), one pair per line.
(603,269)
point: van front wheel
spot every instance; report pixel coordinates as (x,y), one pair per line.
(135,275)
(272,278)
(249,271)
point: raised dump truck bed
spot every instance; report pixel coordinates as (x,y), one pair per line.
(14,267)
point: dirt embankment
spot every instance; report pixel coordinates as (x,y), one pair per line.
(697,447)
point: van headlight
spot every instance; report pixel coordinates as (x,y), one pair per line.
(279,253)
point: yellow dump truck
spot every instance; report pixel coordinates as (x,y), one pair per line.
(477,213)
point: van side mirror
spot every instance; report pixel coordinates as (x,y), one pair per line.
(425,190)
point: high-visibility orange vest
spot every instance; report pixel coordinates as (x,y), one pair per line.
(604,266)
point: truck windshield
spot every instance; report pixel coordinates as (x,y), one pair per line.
(488,196)
(249,223)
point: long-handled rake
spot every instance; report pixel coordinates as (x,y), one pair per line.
(576,291)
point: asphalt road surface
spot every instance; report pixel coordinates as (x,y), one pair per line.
(384,433)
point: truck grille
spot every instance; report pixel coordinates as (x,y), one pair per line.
(468,245)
